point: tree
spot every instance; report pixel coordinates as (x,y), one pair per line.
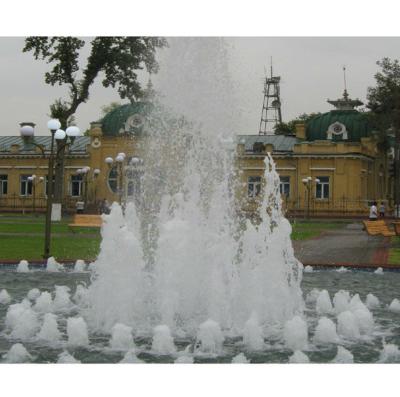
(108,108)
(289,128)
(384,103)
(118,58)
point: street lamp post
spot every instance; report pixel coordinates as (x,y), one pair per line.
(85,172)
(68,138)
(308,183)
(35,181)
(119,160)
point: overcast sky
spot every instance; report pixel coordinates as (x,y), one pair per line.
(310,68)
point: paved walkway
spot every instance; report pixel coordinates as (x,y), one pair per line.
(344,247)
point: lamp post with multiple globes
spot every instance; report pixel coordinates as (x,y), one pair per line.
(67,137)
(308,183)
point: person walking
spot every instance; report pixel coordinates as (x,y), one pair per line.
(373,212)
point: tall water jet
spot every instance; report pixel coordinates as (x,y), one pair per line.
(180,254)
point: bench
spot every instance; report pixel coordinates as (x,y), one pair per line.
(80,220)
(374,228)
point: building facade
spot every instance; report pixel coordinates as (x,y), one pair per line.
(24,164)
(332,167)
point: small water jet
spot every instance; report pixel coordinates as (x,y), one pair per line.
(295,334)
(323,303)
(62,300)
(53,266)
(372,302)
(308,269)
(131,358)
(163,342)
(49,331)
(389,353)
(23,266)
(325,332)
(44,303)
(77,332)
(343,356)
(341,301)
(79,266)
(210,337)
(17,354)
(121,338)
(348,326)
(395,306)
(33,294)
(66,358)
(298,357)
(5,297)
(253,334)
(240,359)
(21,321)
(379,271)
(184,360)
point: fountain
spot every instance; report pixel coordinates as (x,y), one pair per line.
(181,277)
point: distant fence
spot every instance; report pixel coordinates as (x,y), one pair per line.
(14,202)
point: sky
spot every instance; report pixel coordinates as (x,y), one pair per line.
(310,70)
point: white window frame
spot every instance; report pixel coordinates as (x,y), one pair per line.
(78,180)
(325,187)
(253,186)
(3,184)
(25,186)
(283,184)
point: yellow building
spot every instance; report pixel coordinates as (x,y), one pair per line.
(21,158)
(332,167)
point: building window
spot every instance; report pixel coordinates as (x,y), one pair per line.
(25,185)
(284,186)
(113,179)
(322,188)
(254,186)
(76,185)
(47,184)
(3,184)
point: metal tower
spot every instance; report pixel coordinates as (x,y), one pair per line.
(271,111)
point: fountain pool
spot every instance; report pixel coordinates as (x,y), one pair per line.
(378,345)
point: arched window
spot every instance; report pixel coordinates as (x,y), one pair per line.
(113,179)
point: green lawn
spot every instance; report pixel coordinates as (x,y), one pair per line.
(394,251)
(82,243)
(309,229)
(29,248)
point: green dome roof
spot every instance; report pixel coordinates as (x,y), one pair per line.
(126,119)
(356,125)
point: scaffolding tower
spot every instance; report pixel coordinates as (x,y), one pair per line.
(271,114)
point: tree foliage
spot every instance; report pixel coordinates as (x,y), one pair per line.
(118,58)
(289,128)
